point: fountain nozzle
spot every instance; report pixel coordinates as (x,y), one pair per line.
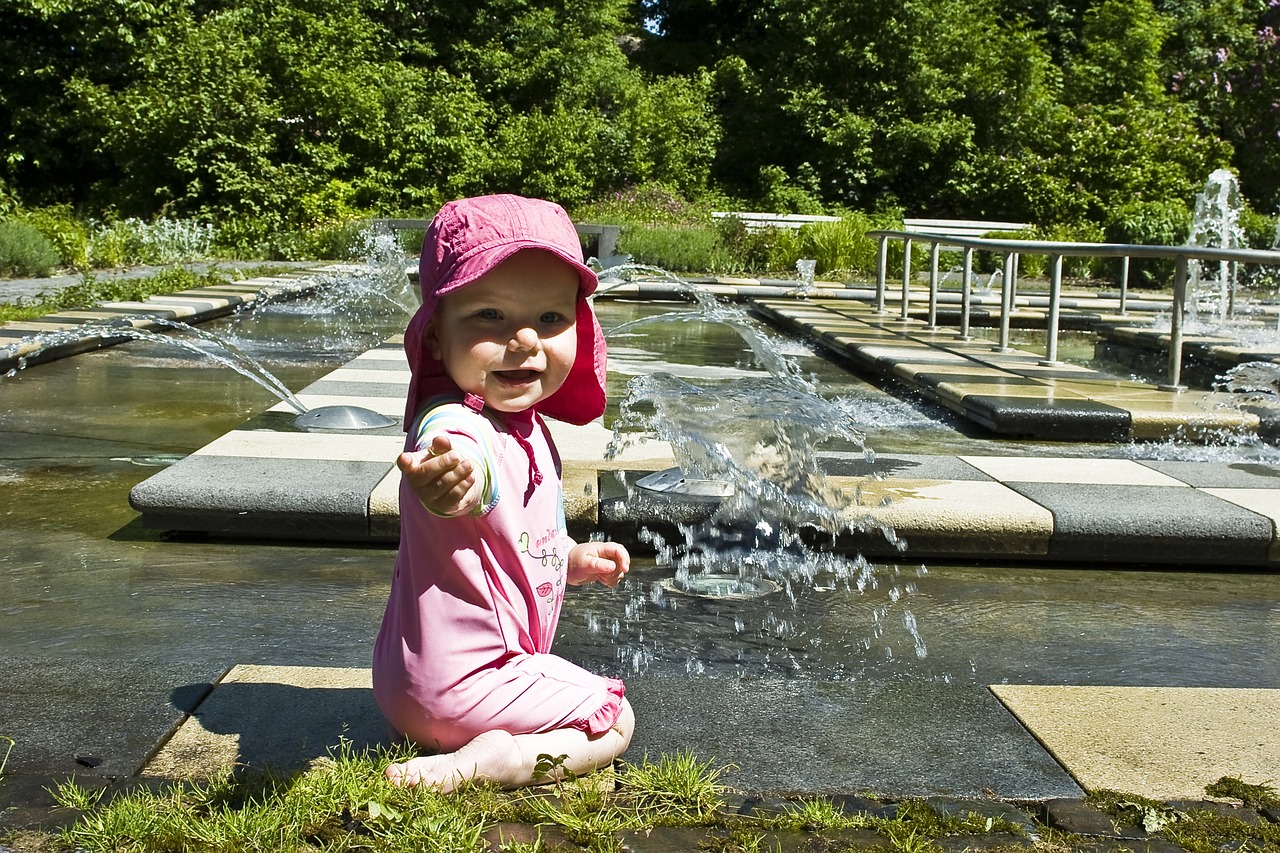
(342,417)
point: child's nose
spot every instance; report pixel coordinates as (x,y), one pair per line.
(525,338)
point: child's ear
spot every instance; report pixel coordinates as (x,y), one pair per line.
(431,339)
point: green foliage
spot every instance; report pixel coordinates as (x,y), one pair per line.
(842,247)
(678,788)
(69,236)
(1149,224)
(1120,56)
(25,252)
(307,114)
(678,249)
(1260,231)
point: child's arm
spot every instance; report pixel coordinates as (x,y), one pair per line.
(443,479)
(607,562)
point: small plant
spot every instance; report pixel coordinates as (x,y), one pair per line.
(1260,796)
(25,252)
(552,768)
(73,796)
(677,788)
(817,813)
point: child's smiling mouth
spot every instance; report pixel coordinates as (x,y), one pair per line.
(517,376)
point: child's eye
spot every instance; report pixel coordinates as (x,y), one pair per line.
(489,314)
(551,318)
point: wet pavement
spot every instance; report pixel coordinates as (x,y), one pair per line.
(125,644)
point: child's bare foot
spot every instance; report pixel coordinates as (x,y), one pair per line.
(490,756)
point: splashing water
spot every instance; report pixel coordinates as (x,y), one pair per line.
(350,292)
(201,342)
(1216,224)
(759,438)
(349,299)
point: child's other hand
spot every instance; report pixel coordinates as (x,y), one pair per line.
(607,562)
(444,481)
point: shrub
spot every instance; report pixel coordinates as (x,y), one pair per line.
(69,236)
(243,237)
(677,249)
(114,244)
(25,252)
(654,203)
(1149,223)
(166,241)
(1260,231)
(841,246)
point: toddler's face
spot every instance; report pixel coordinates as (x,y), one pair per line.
(510,336)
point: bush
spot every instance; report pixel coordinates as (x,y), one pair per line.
(25,252)
(676,249)
(1149,223)
(1260,231)
(654,203)
(841,246)
(243,238)
(69,236)
(115,244)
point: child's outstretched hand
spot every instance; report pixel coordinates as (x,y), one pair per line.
(443,480)
(606,562)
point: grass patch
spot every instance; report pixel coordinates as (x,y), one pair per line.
(344,803)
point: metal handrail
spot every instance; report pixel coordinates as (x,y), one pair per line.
(1056,251)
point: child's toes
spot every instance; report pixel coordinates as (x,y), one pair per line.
(398,774)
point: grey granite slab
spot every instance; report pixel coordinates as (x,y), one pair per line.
(1149,524)
(1065,420)
(908,466)
(292,498)
(112,714)
(1220,475)
(897,736)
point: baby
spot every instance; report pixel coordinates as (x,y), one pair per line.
(462,664)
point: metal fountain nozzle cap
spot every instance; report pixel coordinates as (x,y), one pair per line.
(342,417)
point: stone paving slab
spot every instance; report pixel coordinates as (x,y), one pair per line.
(272,717)
(1006,392)
(959,742)
(110,712)
(947,517)
(271,479)
(1165,743)
(1150,524)
(279,497)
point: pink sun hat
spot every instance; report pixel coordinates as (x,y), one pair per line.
(466,240)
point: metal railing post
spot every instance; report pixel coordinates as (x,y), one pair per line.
(1175,326)
(1006,303)
(1055,304)
(933,286)
(966,290)
(1124,285)
(882,267)
(906,276)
